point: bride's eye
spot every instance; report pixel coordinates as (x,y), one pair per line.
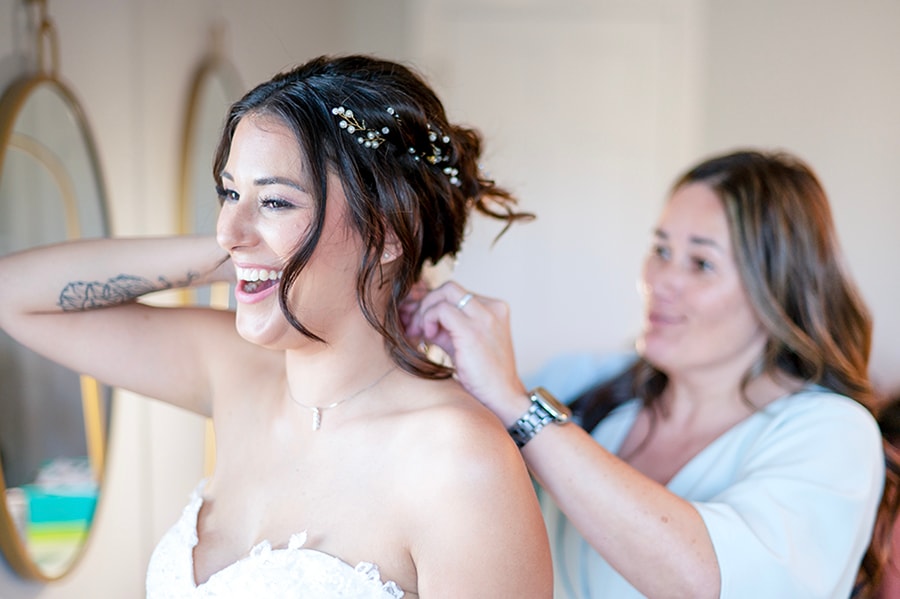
(275,203)
(226,195)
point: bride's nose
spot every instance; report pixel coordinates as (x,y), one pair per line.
(234,227)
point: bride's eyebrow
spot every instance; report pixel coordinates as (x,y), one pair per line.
(278,181)
(269,181)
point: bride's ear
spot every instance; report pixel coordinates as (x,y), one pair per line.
(392,249)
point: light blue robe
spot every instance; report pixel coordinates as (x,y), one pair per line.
(788,495)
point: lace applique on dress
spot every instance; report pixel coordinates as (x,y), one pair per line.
(294,571)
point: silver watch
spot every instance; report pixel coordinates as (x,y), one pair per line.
(544,409)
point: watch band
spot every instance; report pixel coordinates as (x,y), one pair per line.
(543,410)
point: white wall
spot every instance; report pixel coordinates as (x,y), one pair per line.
(593,108)
(590,109)
(823,79)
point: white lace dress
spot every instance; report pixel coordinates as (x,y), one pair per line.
(293,572)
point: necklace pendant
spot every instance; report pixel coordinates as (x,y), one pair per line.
(317,419)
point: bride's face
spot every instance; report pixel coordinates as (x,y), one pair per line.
(267,210)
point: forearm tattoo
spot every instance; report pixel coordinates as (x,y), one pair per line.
(87,295)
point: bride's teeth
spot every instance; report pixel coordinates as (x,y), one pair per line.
(258,274)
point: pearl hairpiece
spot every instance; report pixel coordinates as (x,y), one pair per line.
(372,138)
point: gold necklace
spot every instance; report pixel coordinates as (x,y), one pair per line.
(317,410)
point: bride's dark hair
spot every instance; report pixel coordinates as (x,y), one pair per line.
(411,178)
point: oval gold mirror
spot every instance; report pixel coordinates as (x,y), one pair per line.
(54,424)
(215,86)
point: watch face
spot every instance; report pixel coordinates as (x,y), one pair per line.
(554,407)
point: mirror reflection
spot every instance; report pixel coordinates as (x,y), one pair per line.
(54,424)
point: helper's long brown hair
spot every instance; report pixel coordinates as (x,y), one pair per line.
(878,557)
(785,245)
(819,329)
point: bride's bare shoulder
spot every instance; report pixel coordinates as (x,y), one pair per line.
(452,431)
(447,403)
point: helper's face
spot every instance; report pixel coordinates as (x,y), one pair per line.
(267,210)
(697,314)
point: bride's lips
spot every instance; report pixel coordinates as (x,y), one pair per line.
(255,283)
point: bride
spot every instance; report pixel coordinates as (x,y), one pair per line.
(347,463)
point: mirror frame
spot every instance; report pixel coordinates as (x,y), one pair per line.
(208,69)
(213,66)
(12,102)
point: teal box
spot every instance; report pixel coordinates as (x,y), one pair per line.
(59,505)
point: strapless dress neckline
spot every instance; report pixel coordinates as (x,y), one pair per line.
(292,571)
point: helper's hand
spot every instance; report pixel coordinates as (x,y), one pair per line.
(475,332)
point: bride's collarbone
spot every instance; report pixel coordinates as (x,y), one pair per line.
(317,480)
(301,459)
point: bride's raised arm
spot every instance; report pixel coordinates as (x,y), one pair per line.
(74,303)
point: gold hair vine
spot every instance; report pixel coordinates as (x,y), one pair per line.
(369,138)
(372,138)
(437,156)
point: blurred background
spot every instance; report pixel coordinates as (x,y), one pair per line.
(590,108)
